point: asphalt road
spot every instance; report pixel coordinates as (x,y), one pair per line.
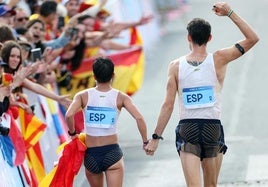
(244,103)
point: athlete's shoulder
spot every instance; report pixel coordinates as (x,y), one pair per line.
(81,93)
(175,61)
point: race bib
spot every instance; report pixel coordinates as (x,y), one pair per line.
(101,117)
(198,97)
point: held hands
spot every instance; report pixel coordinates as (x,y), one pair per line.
(151,147)
(222,9)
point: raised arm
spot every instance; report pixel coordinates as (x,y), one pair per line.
(226,55)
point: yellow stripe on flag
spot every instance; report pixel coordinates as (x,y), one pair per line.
(129,69)
(36,163)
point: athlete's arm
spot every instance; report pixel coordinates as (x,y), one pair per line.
(135,113)
(167,106)
(226,55)
(74,107)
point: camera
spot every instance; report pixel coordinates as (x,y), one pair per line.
(73,32)
(36,54)
(61,23)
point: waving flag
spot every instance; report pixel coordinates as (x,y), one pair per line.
(7,149)
(16,137)
(69,164)
(137,77)
(32,129)
(128,70)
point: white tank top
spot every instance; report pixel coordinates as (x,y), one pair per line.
(101,113)
(199,90)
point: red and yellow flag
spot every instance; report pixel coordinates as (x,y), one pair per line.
(129,69)
(63,174)
(32,129)
(137,77)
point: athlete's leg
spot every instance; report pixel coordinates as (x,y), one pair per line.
(114,174)
(218,165)
(210,171)
(191,169)
(95,180)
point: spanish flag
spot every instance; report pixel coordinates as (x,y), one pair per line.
(137,77)
(7,78)
(32,129)
(129,69)
(63,174)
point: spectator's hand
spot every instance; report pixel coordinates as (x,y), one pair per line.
(114,29)
(4,91)
(42,67)
(145,19)
(26,107)
(94,38)
(221,9)
(21,74)
(64,100)
(48,56)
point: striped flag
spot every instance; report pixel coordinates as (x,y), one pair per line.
(129,69)
(32,129)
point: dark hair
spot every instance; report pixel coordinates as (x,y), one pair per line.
(103,69)
(33,5)
(29,24)
(47,8)
(200,30)
(5,54)
(6,33)
(80,19)
(77,59)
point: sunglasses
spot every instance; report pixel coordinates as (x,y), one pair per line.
(26,48)
(22,18)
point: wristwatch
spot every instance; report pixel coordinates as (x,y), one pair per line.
(157,137)
(72,133)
